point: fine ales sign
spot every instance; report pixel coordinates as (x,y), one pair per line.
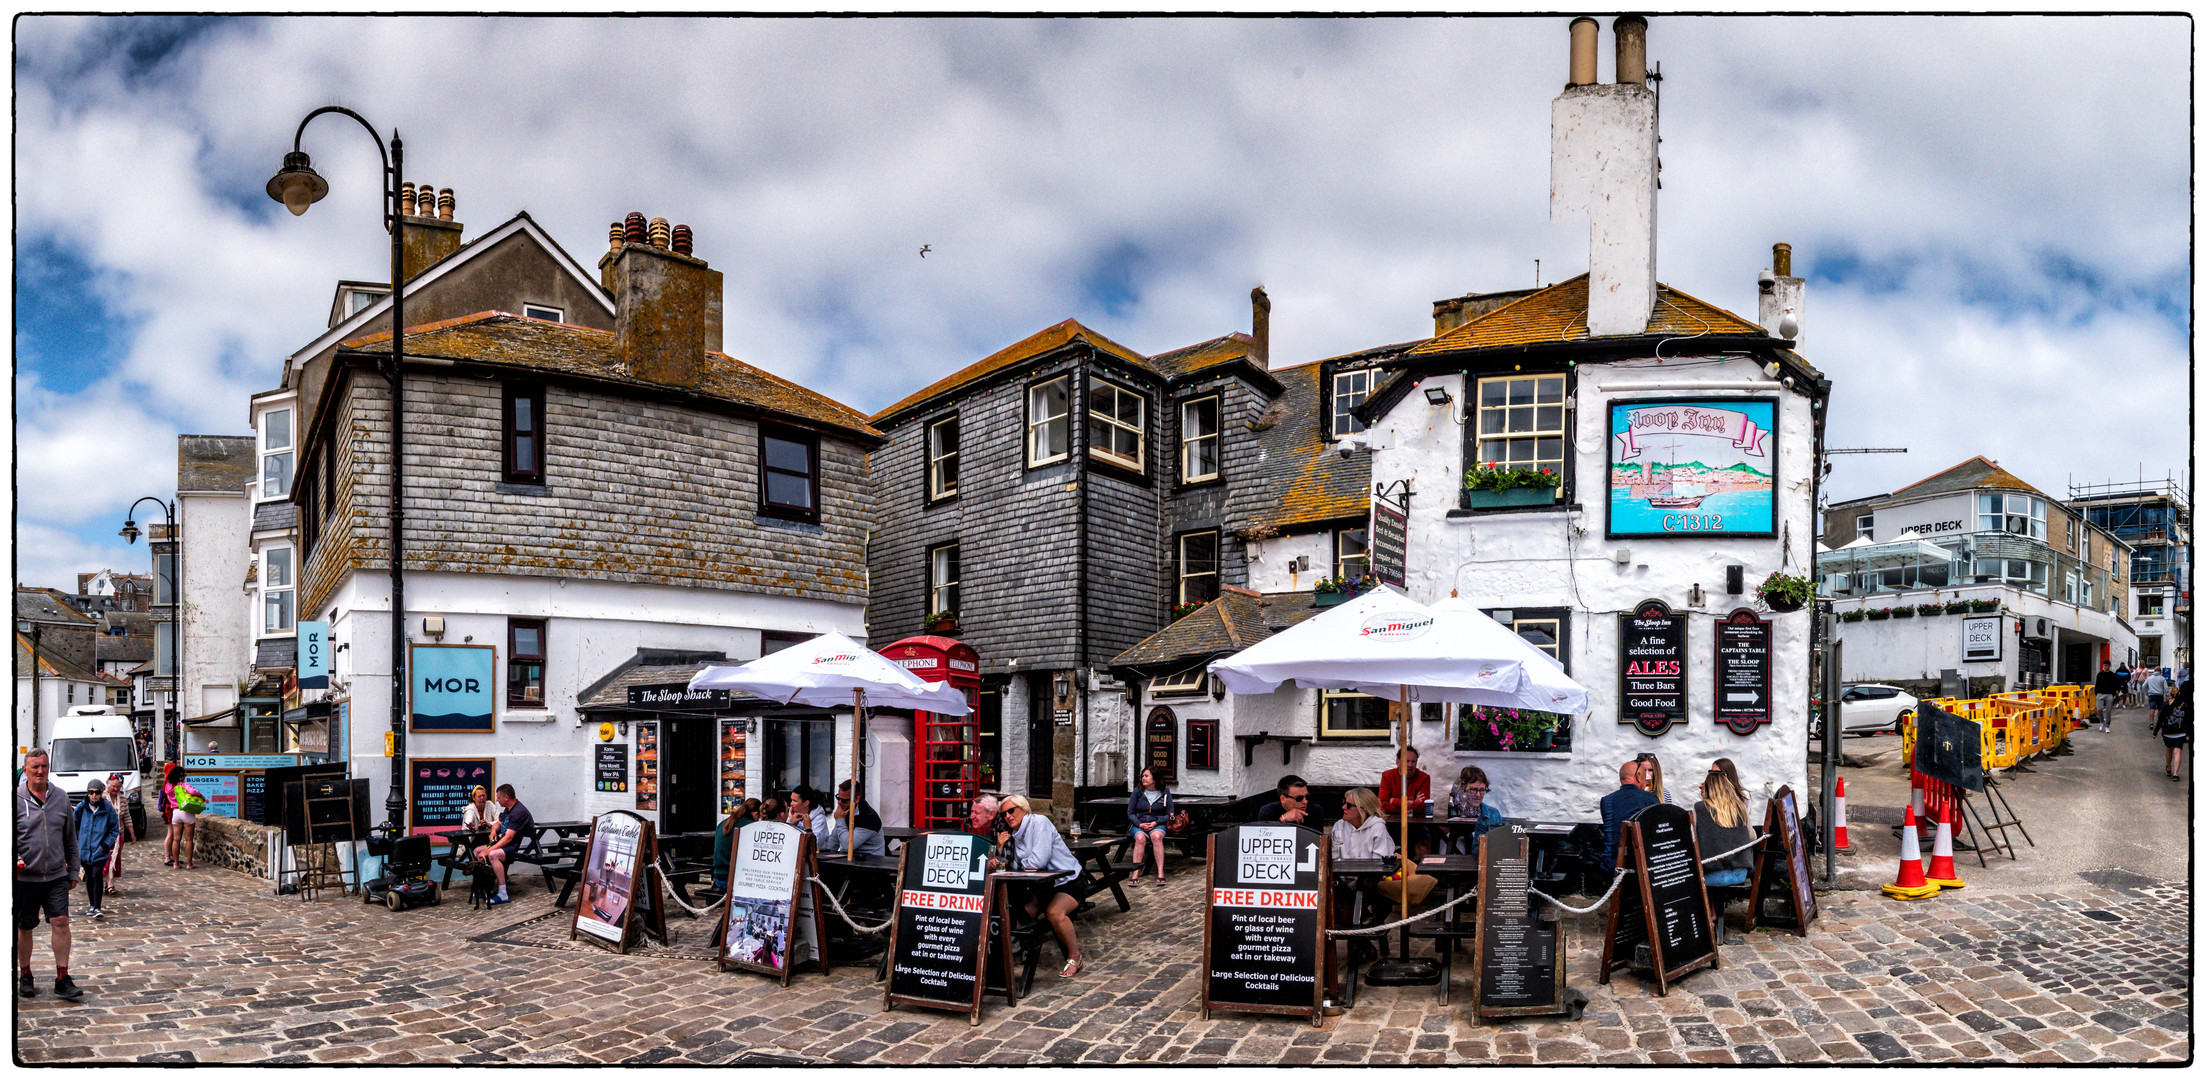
(1265,930)
(938,940)
(1743,686)
(1652,662)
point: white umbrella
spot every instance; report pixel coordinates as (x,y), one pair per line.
(1547,687)
(830,671)
(1383,644)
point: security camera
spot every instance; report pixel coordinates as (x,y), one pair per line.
(1347,449)
(1766,281)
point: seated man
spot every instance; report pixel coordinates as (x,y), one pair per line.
(1617,807)
(980,818)
(1420,793)
(515,825)
(868,825)
(1293,805)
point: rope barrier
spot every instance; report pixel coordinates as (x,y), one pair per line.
(1367,930)
(844,915)
(1587,910)
(666,872)
(1590,908)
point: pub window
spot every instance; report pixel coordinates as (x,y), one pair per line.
(1344,714)
(1198,561)
(1351,553)
(525,662)
(789,479)
(1184,683)
(1520,422)
(1202,744)
(1546,629)
(275,460)
(942,458)
(942,578)
(1199,458)
(1350,388)
(544,312)
(2151,605)
(1049,421)
(773,641)
(524,433)
(1115,424)
(277,588)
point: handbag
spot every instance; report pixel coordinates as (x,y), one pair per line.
(189,800)
(1177,824)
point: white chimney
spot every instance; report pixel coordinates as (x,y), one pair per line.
(1603,165)
(1783,308)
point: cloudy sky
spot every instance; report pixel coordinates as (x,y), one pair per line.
(1993,214)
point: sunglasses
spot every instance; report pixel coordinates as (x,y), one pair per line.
(1476,790)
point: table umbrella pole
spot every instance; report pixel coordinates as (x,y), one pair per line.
(1403,971)
(857,786)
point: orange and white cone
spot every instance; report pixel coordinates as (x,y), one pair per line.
(1839,841)
(1915,793)
(1942,873)
(1911,884)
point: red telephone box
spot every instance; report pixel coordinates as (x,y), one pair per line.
(945,749)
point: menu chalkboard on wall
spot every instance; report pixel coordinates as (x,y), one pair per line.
(612,767)
(1651,667)
(437,795)
(1743,687)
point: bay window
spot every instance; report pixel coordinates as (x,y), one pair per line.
(277,588)
(275,458)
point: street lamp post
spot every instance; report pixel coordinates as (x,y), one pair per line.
(297,186)
(130,535)
(36,631)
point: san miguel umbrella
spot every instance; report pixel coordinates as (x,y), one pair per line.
(1385,644)
(828,672)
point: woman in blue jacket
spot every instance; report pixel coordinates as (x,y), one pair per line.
(97,827)
(1148,811)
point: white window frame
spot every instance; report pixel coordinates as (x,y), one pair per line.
(1038,424)
(1350,389)
(1179,564)
(2010,512)
(1190,444)
(1189,683)
(1342,557)
(1326,730)
(1099,389)
(2159,606)
(1865,527)
(543,312)
(269,591)
(937,458)
(943,584)
(270,452)
(1493,447)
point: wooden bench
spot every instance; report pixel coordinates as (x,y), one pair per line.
(568,871)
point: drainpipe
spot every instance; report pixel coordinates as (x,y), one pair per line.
(1080,458)
(1818,637)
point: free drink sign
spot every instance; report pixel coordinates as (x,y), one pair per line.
(940,934)
(1264,931)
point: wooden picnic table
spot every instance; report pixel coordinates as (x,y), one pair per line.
(1109,870)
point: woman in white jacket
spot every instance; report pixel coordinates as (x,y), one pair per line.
(1361,832)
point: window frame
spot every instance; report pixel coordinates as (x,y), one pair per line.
(269,591)
(533,311)
(1202,754)
(2159,607)
(515,658)
(932,461)
(1340,558)
(1476,408)
(1140,461)
(1336,413)
(955,586)
(1180,573)
(1216,438)
(1033,427)
(1193,682)
(810,440)
(1865,527)
(1325,730)
(289,452)
(510,392)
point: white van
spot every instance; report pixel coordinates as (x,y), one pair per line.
(91,743)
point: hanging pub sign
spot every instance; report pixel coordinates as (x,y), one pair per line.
(618,884)
(1781,870)
(452,688)
(1651,659)
(1517,969)
(772,922)
(1670,898)
(1389,542)
(1162,738)
(939,938)
(313,655)
(1264,933)
(1692,468)
(1744,689)
(612,766)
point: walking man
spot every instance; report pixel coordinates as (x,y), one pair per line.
(98,829)
(2108,686)
(2156,696)
(45,868)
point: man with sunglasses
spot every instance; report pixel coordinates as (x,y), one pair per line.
(1293,806)
(868,824)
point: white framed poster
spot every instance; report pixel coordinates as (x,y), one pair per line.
(1981,637)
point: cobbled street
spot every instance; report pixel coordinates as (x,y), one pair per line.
(209,966)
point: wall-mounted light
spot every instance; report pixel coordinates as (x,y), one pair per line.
(1438,395)
(433,626)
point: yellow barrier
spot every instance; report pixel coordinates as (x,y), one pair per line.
(2017,725)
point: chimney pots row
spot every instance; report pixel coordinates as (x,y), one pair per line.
(1631,50)
(634,229)
(425,201)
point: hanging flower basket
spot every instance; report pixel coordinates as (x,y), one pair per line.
(1879,614)
(1855,615)
(1785,592)
(942,622)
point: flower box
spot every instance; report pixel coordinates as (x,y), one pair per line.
(1903,613)
(1983,607)
(1483,499)
(1852,616)
(1957,607)
(1880,613)
(1330,599)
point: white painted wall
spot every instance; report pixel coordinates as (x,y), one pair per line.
(1271,574)
(217,646)
(1936,518)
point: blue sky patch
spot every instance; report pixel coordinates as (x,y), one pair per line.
(64,330)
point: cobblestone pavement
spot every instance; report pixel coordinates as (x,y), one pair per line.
(208,966)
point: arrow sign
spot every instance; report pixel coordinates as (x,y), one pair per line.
(1309,861)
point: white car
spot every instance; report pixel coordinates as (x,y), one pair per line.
(1867,708)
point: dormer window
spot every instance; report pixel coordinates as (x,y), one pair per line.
(543,312)
(1350,388)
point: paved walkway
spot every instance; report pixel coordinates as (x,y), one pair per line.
(208,966)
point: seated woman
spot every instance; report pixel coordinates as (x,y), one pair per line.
(723,841)
(1030,842)
(1147,812)
(1468,802)
(1361,832)
(1719,825)
(481,815)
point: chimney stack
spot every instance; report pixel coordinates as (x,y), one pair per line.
(666,303)
(1783,304)
(431,234)
(1585,51)
(1260,327)
(1602,163)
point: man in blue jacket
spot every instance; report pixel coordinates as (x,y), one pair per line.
(97,825)
(45,869)
(1617,807)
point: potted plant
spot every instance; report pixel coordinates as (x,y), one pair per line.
(1956,607)
(942,622)
(1493,485)
(1928,610)
(1983,607)
(1785,592)
(1904,611)
(1340,590)
(1181,611)
(1855,615)
(1879,614)
(1493,727)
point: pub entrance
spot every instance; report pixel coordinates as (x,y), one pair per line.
(689,774)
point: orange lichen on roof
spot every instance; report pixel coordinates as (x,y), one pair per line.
(1202,355)
(505,340)
(1558,313)
(1980,471)
(1032,346)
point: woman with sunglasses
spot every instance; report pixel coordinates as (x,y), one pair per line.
(1030,842)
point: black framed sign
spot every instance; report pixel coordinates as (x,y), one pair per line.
(1202,744)
(1781,870)
(1681,467)
(1264,930)
(1389,543)
(939,939)
(1517,969)
(1659,847)
(612,767)
(1161,742)
(1651,666)
(1744,689)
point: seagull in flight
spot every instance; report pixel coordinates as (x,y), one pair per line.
(924,249)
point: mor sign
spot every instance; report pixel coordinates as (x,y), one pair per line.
(1743,684)
(1651,666)
(666,697)
(453,688)
(1264,933)
(313,655)
(1517,969)
(939,938)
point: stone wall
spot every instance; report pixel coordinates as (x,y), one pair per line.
(232,844)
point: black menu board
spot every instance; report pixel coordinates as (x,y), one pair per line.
(1518,968)
(1949,748)
(1781,869)
(1389,544)
(1679,923)
(438,790)
(1266,918)
(940,935)
(1743,686)
(252,795)
(1162,737)
(1651,667)
(612,767)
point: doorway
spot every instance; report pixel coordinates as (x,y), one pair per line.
(1041,737)
(689,781)
(989,735)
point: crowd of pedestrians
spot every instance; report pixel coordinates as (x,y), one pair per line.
(2165,694)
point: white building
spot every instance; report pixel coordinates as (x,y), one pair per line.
(214,480)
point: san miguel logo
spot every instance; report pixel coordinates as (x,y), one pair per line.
(1396,626)
(838,658)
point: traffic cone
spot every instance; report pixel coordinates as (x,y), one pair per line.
(1942,873)
(1839,841)
(1911,884)
(1915,793)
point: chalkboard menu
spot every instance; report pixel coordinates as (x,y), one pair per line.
(1202,744)
(1664,858)
(340,809)
(1264,931)
(252,796)
(1651,664)
(1389,543)
(1163,741)
(437,790)
(939,939)
(612,766)
(1781,869)
(1743,686)
(1518,967)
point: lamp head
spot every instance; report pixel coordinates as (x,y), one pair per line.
(129,531)
(297,186)
(1437,395)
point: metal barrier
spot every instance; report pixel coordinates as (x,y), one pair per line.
(2017,725)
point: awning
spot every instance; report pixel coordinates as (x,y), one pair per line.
(215,718)
(308,713)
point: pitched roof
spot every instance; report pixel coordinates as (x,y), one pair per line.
(1297,478)
(1202,356)
(215,463)
(49,606)
(1232,622)
(1027,348)
(56,667)
(1558,313)
(500,339)
(650,667)
(1976,472)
